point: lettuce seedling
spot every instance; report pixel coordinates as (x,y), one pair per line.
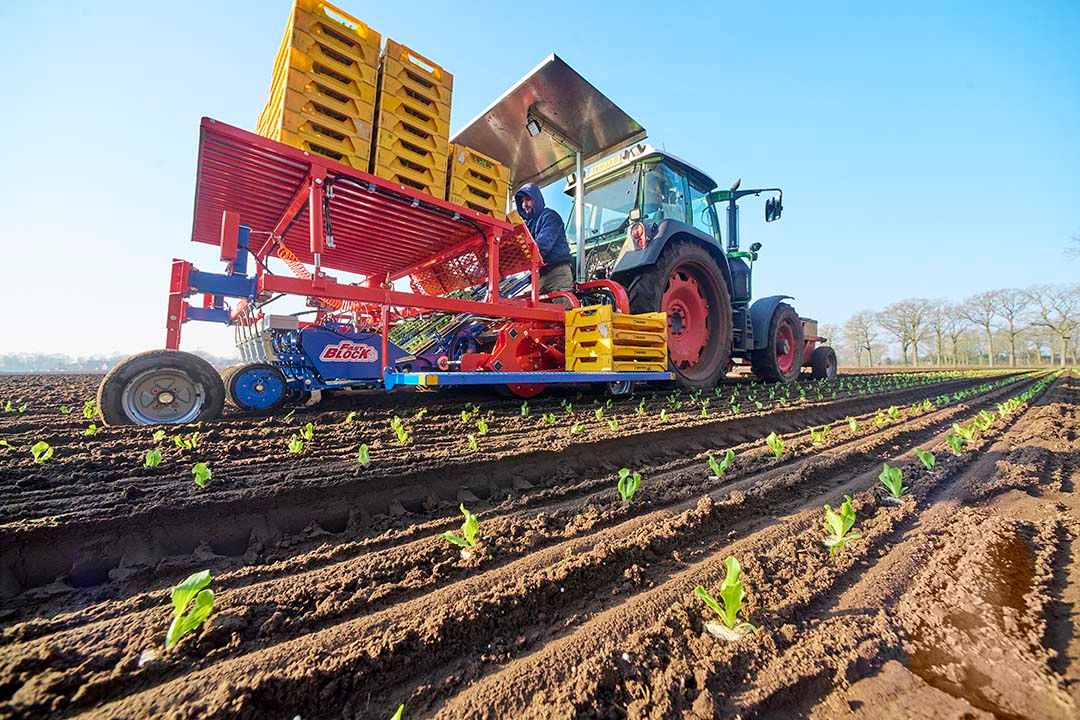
(524,413)
(926,457)
(893,480)
(6,444)
(599,412)
(399,429)
(983,422)
(732,595)
(853,424)
(158,436)
(363,455)
(663,414)
(613,423)
(548,418)
(880,419)
(22,408)
(629,482)
(420,414)
(956,443)
(838,524)
(720,467)
(470,531)
(473,445)
(307,432)
(193,592)
(191,442)
(576,428)
(776,444)
(400,713)
(90,430)
(482,426)
(350,417)
(640,409)
(8,407)
(152,459)
(289,415)
(202,474)
(41,451)
(65,410)
(968,433)
(90,409)
(819,436)
(296,445)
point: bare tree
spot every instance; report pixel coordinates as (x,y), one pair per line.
(906,321)
(981,310)
(860,331)
(1057,308)
(937,323)
(955,326)
(1011,305)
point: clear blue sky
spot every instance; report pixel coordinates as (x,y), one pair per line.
(923,151)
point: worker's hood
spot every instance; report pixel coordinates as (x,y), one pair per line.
(533,191)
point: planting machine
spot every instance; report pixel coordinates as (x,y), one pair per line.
(433,294)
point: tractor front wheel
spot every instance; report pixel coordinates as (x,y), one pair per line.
(689,286)
(161,387)
(782,357)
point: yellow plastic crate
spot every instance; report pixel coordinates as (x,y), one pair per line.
(607,364)
(426,104)
(418,177)
(403,116)
(338,29)
(610,348)
(477,181)
(322,145)
(414,73)
(318,110)
(352,84)
(603,331)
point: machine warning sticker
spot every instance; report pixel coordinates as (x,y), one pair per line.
(346,351)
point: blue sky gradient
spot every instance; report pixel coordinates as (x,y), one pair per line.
(923,151)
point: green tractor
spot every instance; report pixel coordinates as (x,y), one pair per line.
(651,224)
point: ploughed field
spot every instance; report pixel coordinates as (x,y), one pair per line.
(335,594)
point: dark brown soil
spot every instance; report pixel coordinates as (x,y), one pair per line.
(335,595)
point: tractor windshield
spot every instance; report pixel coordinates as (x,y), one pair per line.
(607,208)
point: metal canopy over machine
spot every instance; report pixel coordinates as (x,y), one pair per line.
(549,124)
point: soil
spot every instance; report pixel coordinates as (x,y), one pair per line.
(336,596)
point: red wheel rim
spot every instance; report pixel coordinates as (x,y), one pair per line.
(526,391)
(688,319)
(785,347)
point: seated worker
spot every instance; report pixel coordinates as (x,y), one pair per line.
(549,232)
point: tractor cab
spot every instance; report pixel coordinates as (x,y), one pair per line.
(639,185)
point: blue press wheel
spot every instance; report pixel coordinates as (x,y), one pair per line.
(256,388)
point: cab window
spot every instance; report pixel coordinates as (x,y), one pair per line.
(664,195)
(703,214)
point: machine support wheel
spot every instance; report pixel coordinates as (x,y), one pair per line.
(782,357)
(161,387)
(823,363)
(257,388)
(690,287)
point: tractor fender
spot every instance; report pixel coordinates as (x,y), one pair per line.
(631,263)
(761,313)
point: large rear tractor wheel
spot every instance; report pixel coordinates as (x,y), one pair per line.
(161,387)
(782,357)
(258,388)
(823,363)
(689,286)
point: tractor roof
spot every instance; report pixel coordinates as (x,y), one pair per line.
(633,156)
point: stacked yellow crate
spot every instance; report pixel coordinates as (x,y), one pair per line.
(477,181)
(601,340)
(322,97)
(413,125)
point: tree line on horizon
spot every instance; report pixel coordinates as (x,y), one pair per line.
(1039,325)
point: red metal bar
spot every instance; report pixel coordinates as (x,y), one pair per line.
(327,287)
(230,231)
(315,218)
(179,288)
(299,200)
(493,269)
(622,300)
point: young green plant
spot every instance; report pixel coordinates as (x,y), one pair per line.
(732,595)
(893,480)
(926,457)
(363,455)
(470,531)
(194,593)
(838,525)
(776,444)
(202,474)
(152,459)
(42,451)
(719,467)
(629,482)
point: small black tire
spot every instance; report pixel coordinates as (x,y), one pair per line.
(232,374)
(764,362)
(200,393)
(823,363)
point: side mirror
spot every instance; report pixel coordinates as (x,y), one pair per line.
(755,247)
(773,208)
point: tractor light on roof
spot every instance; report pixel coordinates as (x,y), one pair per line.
(533,126)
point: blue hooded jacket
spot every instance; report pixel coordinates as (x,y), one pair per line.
(546,226)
